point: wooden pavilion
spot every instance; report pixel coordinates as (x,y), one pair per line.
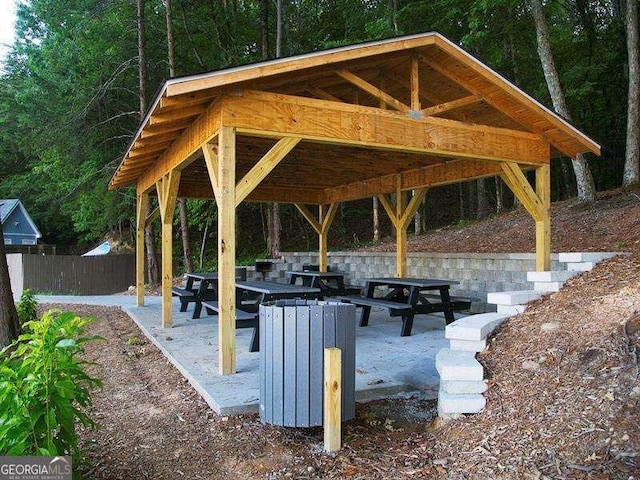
(382,119)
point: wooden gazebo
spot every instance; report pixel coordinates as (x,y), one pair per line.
(376,119)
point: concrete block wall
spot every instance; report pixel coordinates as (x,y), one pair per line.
(478,273)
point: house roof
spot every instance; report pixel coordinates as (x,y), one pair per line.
(453,86)
(9,206)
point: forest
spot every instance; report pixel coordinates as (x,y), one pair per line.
(81,73)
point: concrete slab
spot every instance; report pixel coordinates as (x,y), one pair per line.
(386,363)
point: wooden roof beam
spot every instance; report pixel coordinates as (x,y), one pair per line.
(501,104)
(453,171)
(175,115)
(373,90)
(452,105)
(275,115)
(184,150)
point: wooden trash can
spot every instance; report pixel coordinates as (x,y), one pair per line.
(293,336)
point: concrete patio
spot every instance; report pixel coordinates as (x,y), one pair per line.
(386,363)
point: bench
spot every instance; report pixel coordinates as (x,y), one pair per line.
(458,303)
(396,309)
(404,310)
(244,319)
(338,292)
(185,296)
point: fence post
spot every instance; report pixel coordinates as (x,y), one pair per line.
(332,399)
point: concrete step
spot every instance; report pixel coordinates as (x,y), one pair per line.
(547,286)
(465,387)
(550,276)
(511,309)
(518,297)
(461,403)
(580,266)
(468,345)
(474,327)
(573,257)
(458,366)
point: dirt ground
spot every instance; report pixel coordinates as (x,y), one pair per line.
(563,400)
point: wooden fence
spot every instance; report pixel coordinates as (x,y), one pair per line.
(76,275)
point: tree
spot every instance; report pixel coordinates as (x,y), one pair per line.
(9,324)
(632,156)
(584,180)
(182,203)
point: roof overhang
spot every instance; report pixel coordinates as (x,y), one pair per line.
(413,106)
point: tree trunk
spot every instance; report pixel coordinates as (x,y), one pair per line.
(499,195)
(584,180)
(483,200)
(9,324)
(170,49)
(392,5)
(632,156)
(153,271)
(264,28)
(279,27)
(376,220)
(276,224)
(142,67)
(182,204)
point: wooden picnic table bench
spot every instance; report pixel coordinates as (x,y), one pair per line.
(244,319)
(406,299)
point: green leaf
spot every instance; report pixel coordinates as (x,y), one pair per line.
(66,389)
(66,343)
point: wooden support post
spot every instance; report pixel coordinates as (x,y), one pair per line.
(400,218)
(332,419)
(167,188)
(543,227)
(226,201)
(537,204)
(321,226)
(142,204)
(401,232)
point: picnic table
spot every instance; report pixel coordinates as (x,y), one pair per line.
(329,283)
(249,296)
(408,297)
(199,287)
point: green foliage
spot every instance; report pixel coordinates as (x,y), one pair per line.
(27,307)
(69,92)
(44,389)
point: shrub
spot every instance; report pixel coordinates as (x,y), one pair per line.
(44,389)
(27,307)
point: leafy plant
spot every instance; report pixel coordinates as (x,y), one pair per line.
(27,307)
(44,389)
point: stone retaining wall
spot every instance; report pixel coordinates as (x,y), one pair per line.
(478,273)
